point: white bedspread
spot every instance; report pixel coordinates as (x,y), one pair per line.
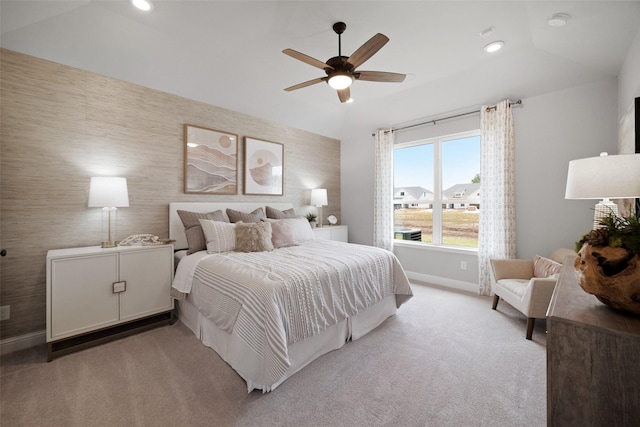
(274,299)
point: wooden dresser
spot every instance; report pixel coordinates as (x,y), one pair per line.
(593,359)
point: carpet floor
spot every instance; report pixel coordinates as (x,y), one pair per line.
(445,359)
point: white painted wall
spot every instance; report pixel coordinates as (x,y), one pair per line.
(551,130)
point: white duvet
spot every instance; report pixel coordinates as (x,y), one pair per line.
(274,299)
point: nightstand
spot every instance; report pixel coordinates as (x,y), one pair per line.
(339,233)
(98,294)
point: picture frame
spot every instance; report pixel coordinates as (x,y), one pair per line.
(263,167)
(210,161)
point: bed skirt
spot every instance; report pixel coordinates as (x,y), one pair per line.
(248,364)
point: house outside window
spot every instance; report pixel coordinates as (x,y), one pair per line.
(437,190)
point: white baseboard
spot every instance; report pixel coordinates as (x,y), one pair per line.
(443,281)
(21,342)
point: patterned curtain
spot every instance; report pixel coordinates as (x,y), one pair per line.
(497,231)
(383,190)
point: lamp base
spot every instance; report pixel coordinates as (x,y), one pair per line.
(603,209)
(109,244)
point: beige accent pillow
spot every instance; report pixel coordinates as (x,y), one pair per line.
(193,229)
(281,233)
(545,267)
(278,214)
(220,236)
(237,216)
(253,237)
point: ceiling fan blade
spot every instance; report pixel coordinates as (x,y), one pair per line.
(344,94)
(379,76)
(305,84)
(306,59)
(367,50)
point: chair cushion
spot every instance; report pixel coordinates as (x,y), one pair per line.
(514,286)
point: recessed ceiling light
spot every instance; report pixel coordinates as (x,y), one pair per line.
(145,5)
(558,19)
(494,46)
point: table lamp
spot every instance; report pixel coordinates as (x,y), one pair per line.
(319,199)
(108,193)
(604,177)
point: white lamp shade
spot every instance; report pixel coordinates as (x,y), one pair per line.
(604,177)
(108,192)
(319,197)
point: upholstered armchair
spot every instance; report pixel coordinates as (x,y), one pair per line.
(527,284)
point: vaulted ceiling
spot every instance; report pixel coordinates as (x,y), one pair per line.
(229,53)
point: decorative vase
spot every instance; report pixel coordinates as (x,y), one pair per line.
(611,274)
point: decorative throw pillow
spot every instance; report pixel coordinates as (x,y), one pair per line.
(281,233)
(278,214)
(545,267)
(253,237)
(301,230)
(193,229)
(237,216)
(220,236)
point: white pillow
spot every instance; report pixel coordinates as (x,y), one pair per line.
(220,236)
(301,230)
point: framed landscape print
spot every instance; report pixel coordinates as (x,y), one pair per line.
(210,161)
(263,167)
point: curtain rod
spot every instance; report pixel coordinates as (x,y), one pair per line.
(518,102)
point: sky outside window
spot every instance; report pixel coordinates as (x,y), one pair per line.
(413,166)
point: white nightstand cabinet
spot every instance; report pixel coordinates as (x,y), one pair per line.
(339,233)
(96,294)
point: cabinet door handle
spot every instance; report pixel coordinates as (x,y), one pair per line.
(119,287)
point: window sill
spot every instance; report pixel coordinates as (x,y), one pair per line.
(439,248)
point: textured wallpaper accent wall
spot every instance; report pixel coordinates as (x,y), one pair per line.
(61,125)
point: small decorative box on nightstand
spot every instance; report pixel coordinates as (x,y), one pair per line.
(339,233)
(96,294)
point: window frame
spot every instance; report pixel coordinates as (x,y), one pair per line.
(437,206)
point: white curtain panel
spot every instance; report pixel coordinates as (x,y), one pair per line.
(497,231)
(383,190)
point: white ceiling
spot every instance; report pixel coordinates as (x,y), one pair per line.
(229,53)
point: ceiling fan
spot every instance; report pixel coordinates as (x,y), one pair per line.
(341,70)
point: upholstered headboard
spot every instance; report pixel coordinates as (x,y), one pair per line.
(176,229)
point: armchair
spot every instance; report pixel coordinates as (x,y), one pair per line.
(527,284)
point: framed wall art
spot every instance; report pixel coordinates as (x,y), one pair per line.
(263,167)
(210,161)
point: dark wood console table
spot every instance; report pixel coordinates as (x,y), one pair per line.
(593,359)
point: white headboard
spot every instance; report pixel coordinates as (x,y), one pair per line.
(176,229)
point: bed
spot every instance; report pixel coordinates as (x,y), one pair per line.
(268,313)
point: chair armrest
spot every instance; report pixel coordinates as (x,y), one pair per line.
(512,268)
(537,296)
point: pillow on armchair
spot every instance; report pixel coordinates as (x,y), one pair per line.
(545,267)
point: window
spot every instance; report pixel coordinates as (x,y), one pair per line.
(437,190)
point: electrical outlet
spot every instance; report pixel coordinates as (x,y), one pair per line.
(463,265)
(5,312)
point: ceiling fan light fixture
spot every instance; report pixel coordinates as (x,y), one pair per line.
(340,81)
